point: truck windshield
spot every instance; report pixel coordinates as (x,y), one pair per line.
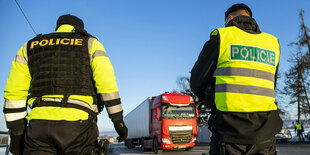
(173,112)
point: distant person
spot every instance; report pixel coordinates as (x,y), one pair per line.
(300,130)
(65,78)
(235,75)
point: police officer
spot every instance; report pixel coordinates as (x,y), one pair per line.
(300,129)
(65,78)
(239,64)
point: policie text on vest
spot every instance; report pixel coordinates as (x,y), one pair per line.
(56,41)
(250,53)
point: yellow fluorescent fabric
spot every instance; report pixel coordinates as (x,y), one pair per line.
(19,81)
(239,90)
(57,113)
(246,102)
(244,81)
(298,126)
(105,80)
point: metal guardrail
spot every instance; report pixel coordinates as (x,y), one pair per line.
(5,145)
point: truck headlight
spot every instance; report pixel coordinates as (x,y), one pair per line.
(180,128)
(165,141)
(194,139)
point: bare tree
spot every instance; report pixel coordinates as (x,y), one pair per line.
(297,81)
(184,88)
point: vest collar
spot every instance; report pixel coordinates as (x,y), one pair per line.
(65,28)
(245,23)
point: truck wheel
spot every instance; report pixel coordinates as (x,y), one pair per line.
(156,146)
(188,149)
(129,144)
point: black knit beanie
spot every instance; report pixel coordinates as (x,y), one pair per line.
(71,20)
(236,7)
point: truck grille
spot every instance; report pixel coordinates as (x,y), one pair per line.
(180,137)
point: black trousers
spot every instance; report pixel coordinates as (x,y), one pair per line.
(45,137)
(300,136)
(217,147)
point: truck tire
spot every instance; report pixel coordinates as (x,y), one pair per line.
(188,149)
(129,144)
(156,146)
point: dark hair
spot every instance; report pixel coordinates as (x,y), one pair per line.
(237,7)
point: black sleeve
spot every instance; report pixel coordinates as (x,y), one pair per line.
(276,77)
(204,67)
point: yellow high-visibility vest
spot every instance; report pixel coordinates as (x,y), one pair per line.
(246,71)
(298,126)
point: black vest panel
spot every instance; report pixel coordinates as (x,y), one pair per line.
(59,64)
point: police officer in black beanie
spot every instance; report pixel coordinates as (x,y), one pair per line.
(66,78)
(233,77)
(71,20)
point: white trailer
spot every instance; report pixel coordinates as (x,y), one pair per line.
(138,120)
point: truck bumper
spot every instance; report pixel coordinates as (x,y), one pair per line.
(179,146)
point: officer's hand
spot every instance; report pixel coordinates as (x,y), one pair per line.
(121,129)
(17,144)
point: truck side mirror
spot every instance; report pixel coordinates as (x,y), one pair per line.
(157,113)
(196,112)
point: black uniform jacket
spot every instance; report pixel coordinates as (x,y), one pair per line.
(233,127)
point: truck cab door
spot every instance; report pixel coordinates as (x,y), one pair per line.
(156,122)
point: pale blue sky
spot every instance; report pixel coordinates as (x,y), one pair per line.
(150,42)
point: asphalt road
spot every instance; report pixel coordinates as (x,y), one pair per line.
(282,149)
(293,148)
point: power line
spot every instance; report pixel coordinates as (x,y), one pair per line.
(26,18)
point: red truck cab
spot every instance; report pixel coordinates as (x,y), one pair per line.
(173,123)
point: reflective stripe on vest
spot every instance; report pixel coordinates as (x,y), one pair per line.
(245,71)
(92,107)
